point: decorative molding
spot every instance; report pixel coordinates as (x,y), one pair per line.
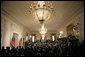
(8,15)
(71,18)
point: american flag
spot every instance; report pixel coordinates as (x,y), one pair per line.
(12,43)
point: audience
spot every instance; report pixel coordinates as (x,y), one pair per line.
(62,47)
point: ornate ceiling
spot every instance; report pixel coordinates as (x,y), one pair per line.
(63,10)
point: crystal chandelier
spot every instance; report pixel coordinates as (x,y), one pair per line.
(41,10)
(43,31)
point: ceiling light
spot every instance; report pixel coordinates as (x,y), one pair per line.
(41,10)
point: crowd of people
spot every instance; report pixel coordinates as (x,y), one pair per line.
(61,47)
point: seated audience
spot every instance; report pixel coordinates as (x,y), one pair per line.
(61,47)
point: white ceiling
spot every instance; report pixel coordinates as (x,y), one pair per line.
(62,10)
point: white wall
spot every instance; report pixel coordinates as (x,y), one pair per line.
(8,27)
(78,17)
